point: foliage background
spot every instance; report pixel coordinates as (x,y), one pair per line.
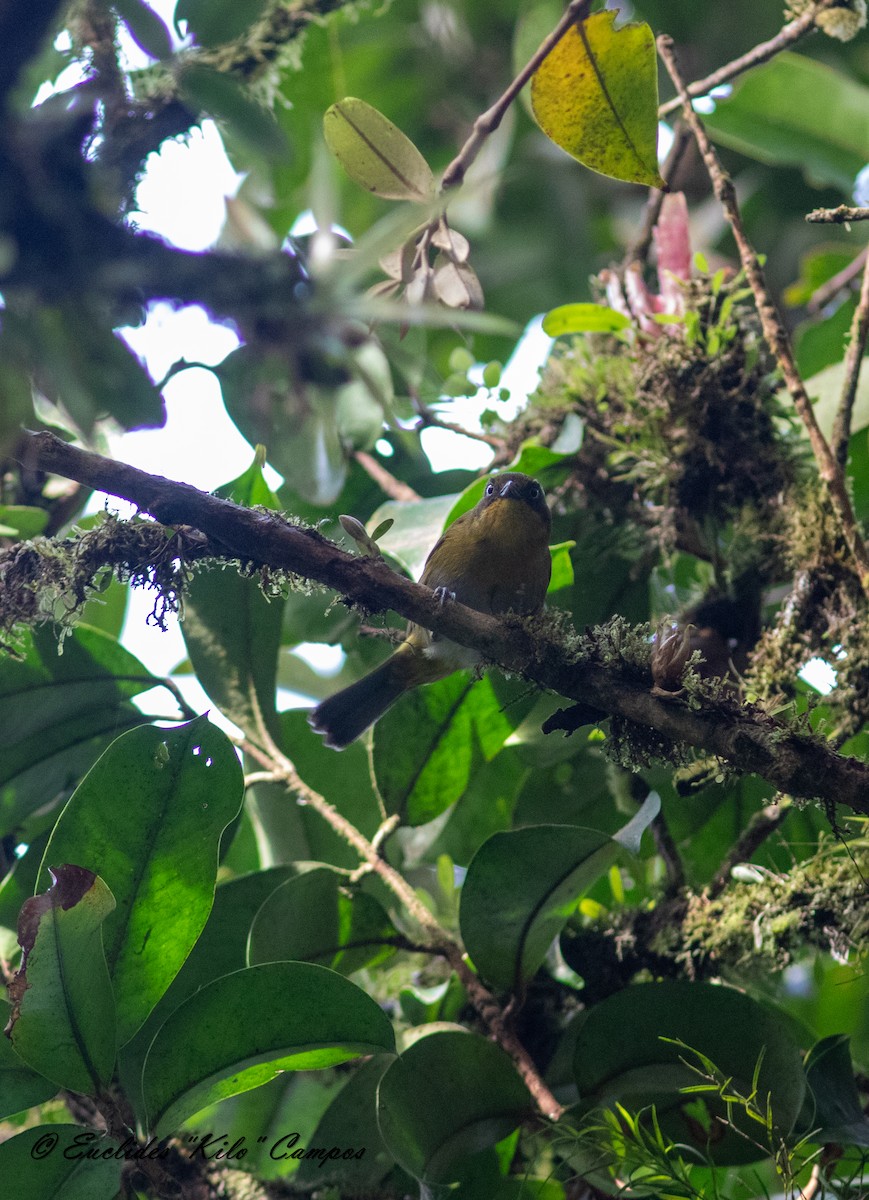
(461,765)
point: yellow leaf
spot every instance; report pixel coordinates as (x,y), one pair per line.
(596,96)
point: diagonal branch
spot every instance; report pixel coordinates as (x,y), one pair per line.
(763,52)
(742,735)
(773,327)
(853,362)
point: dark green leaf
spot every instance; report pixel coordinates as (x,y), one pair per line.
(20,1086)
(317,918)
(217,21)
(295,419)
(231,630)
(81,365)
(427,747)
(837,1114)
(150,814)
(47,1163)
(296,1016)
(58,712)
(827,141)
(224,99)
(524,885)
(350,1122)
(146,28)
(63,1014)
(620,1056)
(449,1095)
(344,779)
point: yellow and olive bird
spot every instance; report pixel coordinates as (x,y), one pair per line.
(494,558)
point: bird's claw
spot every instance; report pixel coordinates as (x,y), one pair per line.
(443,594)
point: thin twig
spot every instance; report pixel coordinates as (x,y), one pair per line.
(639,247)
(668,853)
(853,362)
(843,215)
(394,488)
(773,327)
(786,36)
(843,279)
(759,828)
(489,121)
(436,939)
(430,420)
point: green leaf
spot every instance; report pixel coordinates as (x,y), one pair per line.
(220,950)
(449,1095)
(232,631)
(63,1018)
(596,96)
(243,1029)
(81,365)
(316,917)
(523,885)
(57,713)
(620,1056)
(344,779)
(217,21)
(224,99)
(22,521)
(416,526)
(427,747)
(583,318)
(562,567)
(20,1086)
(761,119)
(837,1114)
(296,420)
(375,153)
(150,814)
(146,28)
(825,389)
(47,1163)
(350,1122)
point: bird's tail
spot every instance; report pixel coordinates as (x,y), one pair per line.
(346,715)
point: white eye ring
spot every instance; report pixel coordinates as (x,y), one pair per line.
(490,489)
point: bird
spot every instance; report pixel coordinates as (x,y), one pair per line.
(494,558)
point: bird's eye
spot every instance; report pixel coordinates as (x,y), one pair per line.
(533,491)
(490,489)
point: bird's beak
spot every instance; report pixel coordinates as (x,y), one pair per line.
(507,486)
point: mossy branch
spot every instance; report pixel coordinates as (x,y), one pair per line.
(609,671)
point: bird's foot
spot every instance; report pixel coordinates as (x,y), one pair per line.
(443,594)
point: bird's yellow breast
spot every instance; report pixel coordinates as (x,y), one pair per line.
(494,559)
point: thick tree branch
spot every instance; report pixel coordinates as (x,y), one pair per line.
(742,735)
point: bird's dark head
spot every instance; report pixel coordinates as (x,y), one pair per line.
(514,486)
